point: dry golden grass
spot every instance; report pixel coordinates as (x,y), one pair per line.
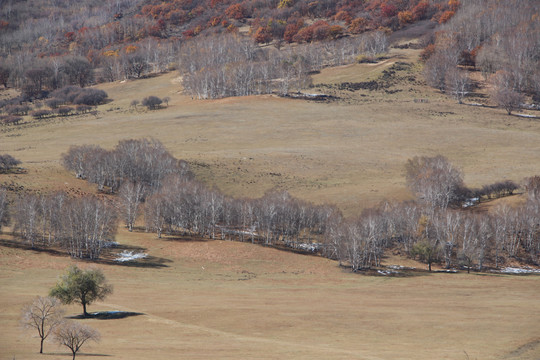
(224,300)
(227,300)
(347,152)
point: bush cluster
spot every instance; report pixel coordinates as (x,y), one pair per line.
(77,96)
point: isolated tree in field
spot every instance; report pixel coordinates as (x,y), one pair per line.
(152,102)
(81,286)
(434,180)
(44,314)
(74,335)
(8,162)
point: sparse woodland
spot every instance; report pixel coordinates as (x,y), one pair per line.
(149,183)
(499,39)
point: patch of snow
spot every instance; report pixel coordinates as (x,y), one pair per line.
(400,267)
(387,272)
(527,116)
(470,202)
(308,247)
(474,104)
(515,270)
(129,255)
(109,244)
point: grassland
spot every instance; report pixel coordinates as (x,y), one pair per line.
(224,300)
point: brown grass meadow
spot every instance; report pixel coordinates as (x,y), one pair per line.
(203,299)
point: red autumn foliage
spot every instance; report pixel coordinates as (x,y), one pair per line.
(447,15)
(235,11)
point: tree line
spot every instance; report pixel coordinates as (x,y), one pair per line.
(152,185)
(83,226)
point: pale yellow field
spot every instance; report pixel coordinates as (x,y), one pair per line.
(227,300)
(224,300)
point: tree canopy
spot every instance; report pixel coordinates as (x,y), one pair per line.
(81,286)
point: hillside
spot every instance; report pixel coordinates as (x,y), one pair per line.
(350,152)
(278,198)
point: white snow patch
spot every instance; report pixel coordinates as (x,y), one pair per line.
(474,104)
(527,116)
(515,270)
(400,267)
(387,272)
(109,244)
(308,247)
(129,255)
(470,202)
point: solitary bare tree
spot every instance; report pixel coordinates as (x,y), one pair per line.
(74,335)
(44,314)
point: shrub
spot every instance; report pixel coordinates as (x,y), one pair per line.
(8,162)
(90,97)
(79,96)
(152,102)
(11,119)
(64,111)
(83,109)
(18,109)
(54,103)
(40,114)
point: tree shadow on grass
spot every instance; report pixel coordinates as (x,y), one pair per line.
(110,256)
(184,238)
(107,258)
(15,244)
(71,355)
(106,315)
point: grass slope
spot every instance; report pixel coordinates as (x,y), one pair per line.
(227,300)
(203,299)
(349,152)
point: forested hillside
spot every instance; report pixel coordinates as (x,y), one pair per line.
(130,38)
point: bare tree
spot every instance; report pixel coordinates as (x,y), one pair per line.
(44,314)
(130,195)
(27,217)
(74,335)
(79,71)
(434,180)
(457,84)
(504,93)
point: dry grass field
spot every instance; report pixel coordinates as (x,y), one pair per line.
(225,300)
(349,152)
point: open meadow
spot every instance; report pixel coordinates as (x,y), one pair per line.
(229,300)
(202,299)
